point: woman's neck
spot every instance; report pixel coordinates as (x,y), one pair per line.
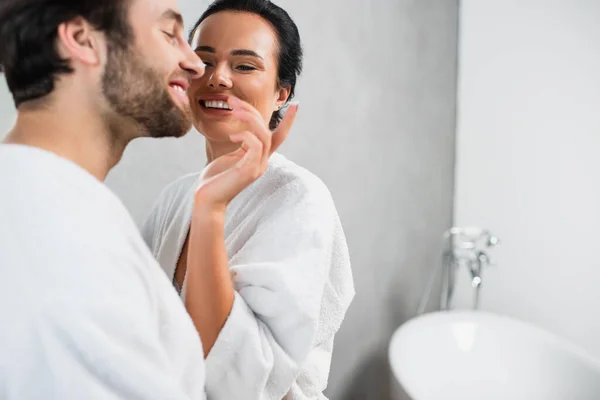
(216,149)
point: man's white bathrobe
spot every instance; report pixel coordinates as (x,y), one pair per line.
(292,277)
(85,310)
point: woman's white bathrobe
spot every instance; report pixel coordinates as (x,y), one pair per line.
(292,277)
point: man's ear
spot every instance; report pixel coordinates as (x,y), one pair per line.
(79,42)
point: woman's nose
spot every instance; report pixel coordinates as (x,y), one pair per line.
(219,79)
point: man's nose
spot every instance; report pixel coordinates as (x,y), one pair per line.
(192,64)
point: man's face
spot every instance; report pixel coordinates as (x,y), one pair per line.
(148,80)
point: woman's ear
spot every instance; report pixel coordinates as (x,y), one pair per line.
(283,94)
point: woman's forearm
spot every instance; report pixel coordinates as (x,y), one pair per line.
(210,293)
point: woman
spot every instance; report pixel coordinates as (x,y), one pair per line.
(266,279)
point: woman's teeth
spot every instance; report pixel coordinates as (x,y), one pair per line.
(216,104)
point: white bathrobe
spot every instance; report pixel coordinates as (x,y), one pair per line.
(292,276)
(85,310)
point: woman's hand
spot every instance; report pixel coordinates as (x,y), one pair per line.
(228,175)
(211,294)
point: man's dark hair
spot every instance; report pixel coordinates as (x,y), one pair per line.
(28,35)
(288,39)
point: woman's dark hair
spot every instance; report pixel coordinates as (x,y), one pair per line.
(28,34)
(288,39)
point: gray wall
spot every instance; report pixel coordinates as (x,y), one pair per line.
(7,111)
(546,158)
(376,123)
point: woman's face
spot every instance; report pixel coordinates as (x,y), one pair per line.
(240,53)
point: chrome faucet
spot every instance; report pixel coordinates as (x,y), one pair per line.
(463,248)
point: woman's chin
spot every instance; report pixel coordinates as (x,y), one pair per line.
(215,135)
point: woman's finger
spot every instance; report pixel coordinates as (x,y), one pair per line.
(245,112)
(250,164)
(237,103)
(283,128)
(271,140)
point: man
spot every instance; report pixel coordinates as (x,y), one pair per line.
(86,312)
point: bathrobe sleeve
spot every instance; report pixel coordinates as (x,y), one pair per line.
(282,269)
(103,345)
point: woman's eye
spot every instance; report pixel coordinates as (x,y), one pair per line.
(207,64)
(246,68)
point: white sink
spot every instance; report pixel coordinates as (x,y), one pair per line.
(475,355)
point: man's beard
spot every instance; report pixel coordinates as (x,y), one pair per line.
(140,94)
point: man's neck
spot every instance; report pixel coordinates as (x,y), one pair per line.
(79,136)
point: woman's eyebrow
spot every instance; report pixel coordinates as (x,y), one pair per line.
(237,52)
